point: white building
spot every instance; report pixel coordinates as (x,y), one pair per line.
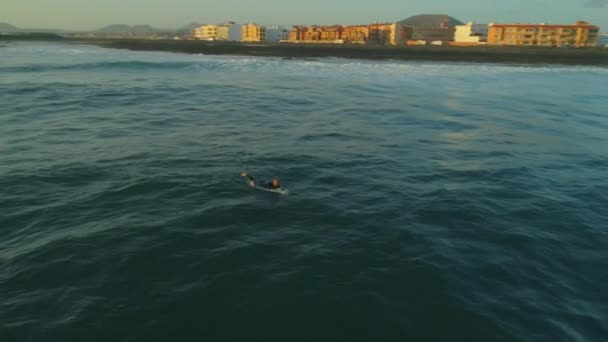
(471,33)
(223,32)
(276,33)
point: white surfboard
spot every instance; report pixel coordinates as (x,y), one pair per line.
(276,191)
(279,191)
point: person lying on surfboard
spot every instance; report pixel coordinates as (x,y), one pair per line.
(273,184)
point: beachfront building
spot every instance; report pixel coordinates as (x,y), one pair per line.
(276,33)
(383,34)
(355,34)
(253,33)
(471,34)
(204,32)
(316,34)
(580,34)
(389,34)
(224,32)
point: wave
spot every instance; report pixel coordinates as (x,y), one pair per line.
(119,65)
(381,73)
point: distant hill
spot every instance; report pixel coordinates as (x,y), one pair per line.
(4,27)
(432,27)
(17,36)
(8,28)
(130,30)
(431,21)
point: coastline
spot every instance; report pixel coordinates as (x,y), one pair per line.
(482,54)
(502,55)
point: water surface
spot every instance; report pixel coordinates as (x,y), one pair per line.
(428,202)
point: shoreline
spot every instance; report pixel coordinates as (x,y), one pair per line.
(483,54)
(502,55)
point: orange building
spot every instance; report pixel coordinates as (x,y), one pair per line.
(384,34)
(316,34)
(253,33)
(581,34)
(356,34)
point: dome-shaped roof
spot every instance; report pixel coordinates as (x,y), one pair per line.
(431,21)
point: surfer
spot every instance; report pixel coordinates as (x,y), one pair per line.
(273,184)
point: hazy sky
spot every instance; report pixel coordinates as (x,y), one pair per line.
(90,14)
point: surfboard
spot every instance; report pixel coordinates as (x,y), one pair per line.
(275,191)
(279,191)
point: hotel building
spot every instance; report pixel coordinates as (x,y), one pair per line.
(581,34)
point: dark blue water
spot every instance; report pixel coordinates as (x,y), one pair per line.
(428,202)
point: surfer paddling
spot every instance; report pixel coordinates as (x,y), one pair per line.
(272,185)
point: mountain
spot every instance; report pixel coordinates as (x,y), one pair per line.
(432,27)
(8,28)
(4,27)
(431,21)
(132,30)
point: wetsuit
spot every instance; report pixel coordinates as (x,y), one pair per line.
(272,186)
(268,185)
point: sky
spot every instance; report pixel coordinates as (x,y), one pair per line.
(93,14)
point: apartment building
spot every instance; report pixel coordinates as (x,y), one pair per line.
(224,32)
(316,34)
(205,32)
(389,34)
(383,34)
(580,34)
(253,33)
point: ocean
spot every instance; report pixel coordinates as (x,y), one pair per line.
(427,201)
